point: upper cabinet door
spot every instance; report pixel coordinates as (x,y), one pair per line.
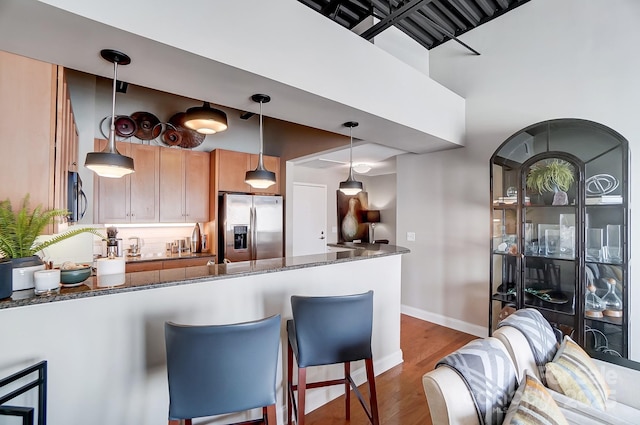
(28,110)
(196,203)
(171,186)
(232,167)
(145,186)
(111,196)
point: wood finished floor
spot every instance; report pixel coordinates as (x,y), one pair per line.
(401,399)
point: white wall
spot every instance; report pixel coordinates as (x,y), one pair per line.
(383,197)
(546,59)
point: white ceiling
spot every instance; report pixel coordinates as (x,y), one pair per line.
(380,158)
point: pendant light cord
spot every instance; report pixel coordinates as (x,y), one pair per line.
(351,154)
(260,161)
(112,128)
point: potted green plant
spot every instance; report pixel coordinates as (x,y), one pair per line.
(19,230)
(555,176)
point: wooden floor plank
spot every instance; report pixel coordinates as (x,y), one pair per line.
(401,399)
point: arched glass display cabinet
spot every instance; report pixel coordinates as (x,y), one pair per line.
(559,231)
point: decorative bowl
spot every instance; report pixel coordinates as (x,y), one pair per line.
(75,275)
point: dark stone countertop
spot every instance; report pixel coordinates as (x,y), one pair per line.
(138,281)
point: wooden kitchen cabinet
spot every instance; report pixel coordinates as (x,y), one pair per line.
(165,264)
(39,136)
(184,186)
(229,168)
(135,197)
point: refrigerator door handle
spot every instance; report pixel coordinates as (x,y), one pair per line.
(252,233)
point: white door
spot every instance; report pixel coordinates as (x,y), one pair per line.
(309,219)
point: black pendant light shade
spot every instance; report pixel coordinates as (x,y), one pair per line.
(260,178)
(205,119)
(109,162)
(350,186)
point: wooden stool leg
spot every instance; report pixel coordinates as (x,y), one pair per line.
(271,415)
(371,379)
(302,386)
(289,388)
(347,390)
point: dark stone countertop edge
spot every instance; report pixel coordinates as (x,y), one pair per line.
(355,252)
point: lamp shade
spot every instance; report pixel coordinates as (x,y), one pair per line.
(260,178)
(109,162)
(372,216)
(351,186)
(205,119)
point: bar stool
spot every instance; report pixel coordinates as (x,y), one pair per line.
(330,330)
(219,369)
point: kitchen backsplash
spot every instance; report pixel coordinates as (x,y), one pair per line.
(81,248)
(153,240)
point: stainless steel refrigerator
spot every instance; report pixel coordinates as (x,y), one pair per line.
(250,227)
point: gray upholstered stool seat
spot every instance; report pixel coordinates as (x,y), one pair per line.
(330,330)
(218,369)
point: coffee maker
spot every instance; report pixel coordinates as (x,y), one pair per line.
(114,244)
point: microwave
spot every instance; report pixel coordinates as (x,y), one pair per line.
(76,198)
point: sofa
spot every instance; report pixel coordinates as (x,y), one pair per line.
(452,402)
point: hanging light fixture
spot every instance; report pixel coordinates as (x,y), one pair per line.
(109,162)
(205,119)
(350,186)
(260,178)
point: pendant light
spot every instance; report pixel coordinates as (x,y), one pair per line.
(205,119)
(109,162)
(260,178)
(350,186)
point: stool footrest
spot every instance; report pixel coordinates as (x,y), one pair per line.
(322,384)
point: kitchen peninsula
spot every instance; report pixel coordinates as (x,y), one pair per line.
(105,346)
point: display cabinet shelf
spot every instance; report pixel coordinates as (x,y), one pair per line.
(560,251)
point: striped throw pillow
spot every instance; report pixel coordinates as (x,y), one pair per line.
(533,405)
(573,373)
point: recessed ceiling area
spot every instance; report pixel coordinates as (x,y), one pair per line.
(429,22)
(379,159)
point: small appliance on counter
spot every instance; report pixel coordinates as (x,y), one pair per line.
(114,244)
(196,239)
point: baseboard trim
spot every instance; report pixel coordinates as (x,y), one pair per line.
(438,319)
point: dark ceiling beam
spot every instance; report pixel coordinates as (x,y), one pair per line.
(421,22)
(503,3)
(435,15)
(330,9)
(389,21)
(487,7)
(454,19)
(469,12)
(452,36)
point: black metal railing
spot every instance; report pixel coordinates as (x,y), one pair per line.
(27,413)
